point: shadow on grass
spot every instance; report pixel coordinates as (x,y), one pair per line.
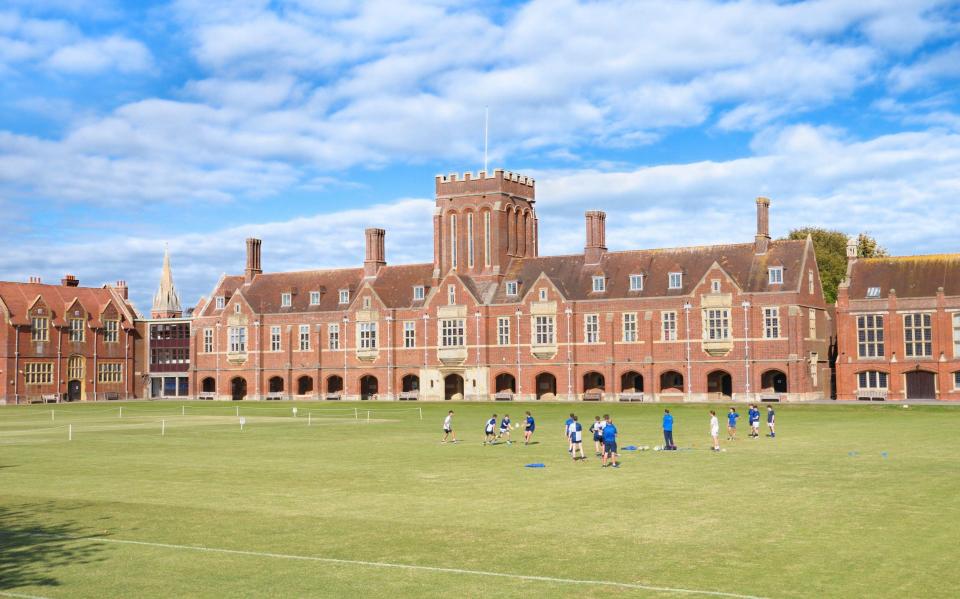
(32,551)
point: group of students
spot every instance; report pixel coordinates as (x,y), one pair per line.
(605,432)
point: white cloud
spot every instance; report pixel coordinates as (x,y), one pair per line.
(928,71)
(116,53)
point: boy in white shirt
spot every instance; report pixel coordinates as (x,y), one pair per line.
(715,430)
(448,428)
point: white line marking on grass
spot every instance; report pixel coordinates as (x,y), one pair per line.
(20,595)
(351,562)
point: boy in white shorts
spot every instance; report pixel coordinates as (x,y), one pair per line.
(715,430)
(505,428)
(490,435)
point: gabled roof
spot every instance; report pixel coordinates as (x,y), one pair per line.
(574,278)
(910,276)
(19,297)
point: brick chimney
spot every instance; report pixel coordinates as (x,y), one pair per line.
(376,256)
(122,290)
(596,245)
(762,239)
(69,281)
(253,259)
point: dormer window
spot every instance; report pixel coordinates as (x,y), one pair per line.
(873,292)
(543,295)
(511,287)
(344,296)
(314,298)
(286,300)
(599,284)
(675,281)
(775,275)
(418,293)
(636,282)
(221,301)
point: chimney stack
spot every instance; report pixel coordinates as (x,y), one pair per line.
(762,240)
(596,245)
(253,259)
(376,256)
(35,279)
(122,290)
(69,281)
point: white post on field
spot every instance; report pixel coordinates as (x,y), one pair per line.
(421,413)
(309,418)
(356,414)
(121,411)
(368,416)
(163,428)
(53,415)
(69,432)
(238,411)
(242,422)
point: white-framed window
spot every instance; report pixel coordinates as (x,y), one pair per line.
(873,292)
(812,322)
(810,280)
(453,240)
(368,335)
(511,287)
(274,338)
(870,337)
(668,326)
(409,333)
(451,332)
(715,286)
(470,239)
(38,373)
(591,328)
(236,308)
(314,298)
(956,334)
(486,239)
(956,380)
(333,336)
(344,296)
(237,339)
(109,372)
(775,275)
(76,329)
(872,379)
(543,294)
(917,335)
(675,281)
(39,329)
(418,293)
(451,294)
(286,300)
(366,302)
(207,341)
(636,282)
(599,283)
(630,327)
(543,330)
(503,330)
(718,324)
(111,331)
(304,337)
(771,323)
(221,302)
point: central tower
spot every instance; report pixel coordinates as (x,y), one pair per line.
(481,222)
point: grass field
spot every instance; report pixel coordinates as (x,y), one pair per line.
(847,501)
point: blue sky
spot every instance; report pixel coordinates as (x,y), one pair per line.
(124,126)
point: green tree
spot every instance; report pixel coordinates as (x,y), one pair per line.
(831,249)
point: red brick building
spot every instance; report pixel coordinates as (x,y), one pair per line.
(489,317)
(898,325)
(65,342)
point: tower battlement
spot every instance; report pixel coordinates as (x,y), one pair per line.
(500,181)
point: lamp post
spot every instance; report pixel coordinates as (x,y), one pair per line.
(686,318)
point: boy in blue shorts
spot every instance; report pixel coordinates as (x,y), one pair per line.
(528,428)
(732,424)
(771,422)
(490,435)
(754,416)
(505,428)
(609,443)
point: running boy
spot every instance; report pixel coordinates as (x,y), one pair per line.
(771,421)
(490,435)
(448,428)
(597,429)
(505,428)
(732,424)
(576,439)
(528,428)
(715,430)
(609,443)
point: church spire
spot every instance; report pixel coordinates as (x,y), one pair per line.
(166,303)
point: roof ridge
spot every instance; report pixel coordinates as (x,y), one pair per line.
(941,256)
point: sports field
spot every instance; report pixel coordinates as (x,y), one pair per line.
(847,501)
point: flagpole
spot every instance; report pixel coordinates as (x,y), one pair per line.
(486,134)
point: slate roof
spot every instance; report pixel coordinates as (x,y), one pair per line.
(19,297)
(910,276)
